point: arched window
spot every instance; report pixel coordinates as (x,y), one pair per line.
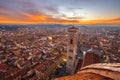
(70,50)
(71,41)
(70,58)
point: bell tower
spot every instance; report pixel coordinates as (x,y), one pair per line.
(72,50)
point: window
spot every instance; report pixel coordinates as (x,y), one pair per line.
(70,50)
(71,41)
(70,57)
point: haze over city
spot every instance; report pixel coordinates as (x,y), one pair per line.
(60,12)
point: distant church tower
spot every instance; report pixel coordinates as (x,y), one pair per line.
(72,50)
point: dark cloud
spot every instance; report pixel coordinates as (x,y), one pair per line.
(3,7)
(27,7)
(52,9)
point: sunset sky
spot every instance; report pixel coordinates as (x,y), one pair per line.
(60,11)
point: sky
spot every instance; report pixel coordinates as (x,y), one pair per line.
(60,12)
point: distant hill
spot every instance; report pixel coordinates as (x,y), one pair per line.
(16,27)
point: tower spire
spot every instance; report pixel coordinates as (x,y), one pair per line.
(73,23)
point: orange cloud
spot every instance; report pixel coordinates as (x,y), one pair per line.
(111,22)
(44,19)
(35,18)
